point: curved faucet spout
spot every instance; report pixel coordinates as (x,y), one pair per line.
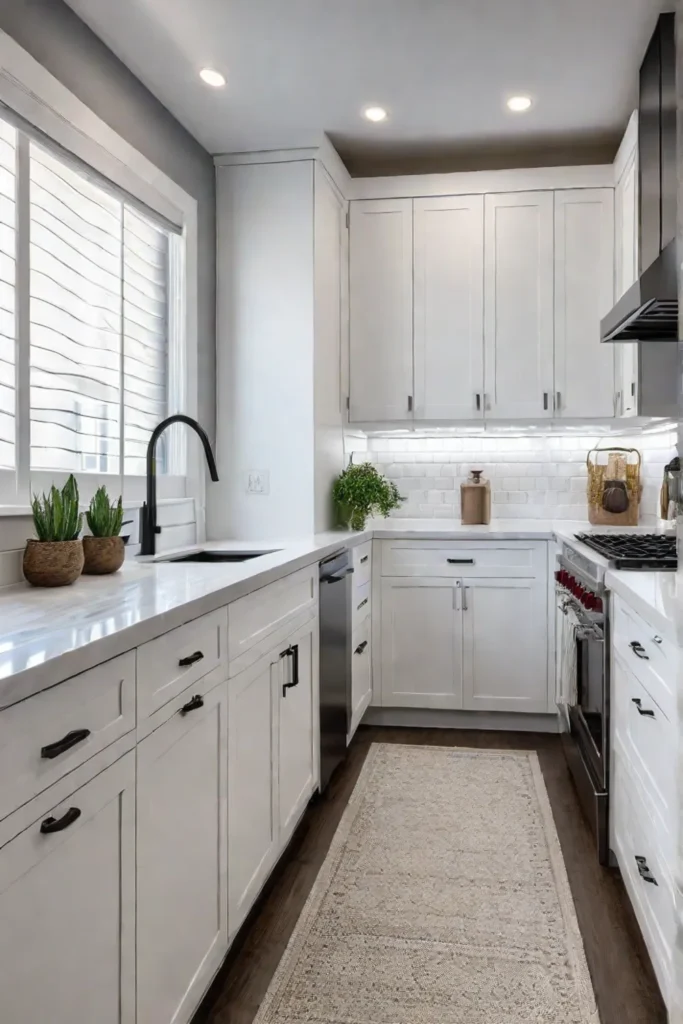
(149,509)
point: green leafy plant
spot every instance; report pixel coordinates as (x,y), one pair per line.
(104,519)
(56,515)
(360,491)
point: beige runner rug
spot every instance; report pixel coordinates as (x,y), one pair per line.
(443,900)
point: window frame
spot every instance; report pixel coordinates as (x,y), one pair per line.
(41,107)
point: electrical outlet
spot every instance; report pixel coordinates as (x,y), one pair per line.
(258,481)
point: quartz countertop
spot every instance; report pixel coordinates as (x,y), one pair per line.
(49,635)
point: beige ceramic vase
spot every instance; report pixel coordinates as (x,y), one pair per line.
(53,563)
(103,555)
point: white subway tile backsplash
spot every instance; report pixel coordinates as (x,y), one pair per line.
(531,477)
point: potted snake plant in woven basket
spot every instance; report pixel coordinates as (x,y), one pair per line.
(55,559)
(104,550)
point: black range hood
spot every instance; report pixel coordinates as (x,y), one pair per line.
(648,311)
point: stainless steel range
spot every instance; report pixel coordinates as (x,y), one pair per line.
(583,604)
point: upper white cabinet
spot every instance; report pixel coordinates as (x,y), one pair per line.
(584,292)
(67,906)
(449,308)
(182,855)
(518,305)
(381,310)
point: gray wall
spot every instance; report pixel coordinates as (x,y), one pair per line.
(63,44)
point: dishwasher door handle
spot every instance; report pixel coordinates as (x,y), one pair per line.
(336,577)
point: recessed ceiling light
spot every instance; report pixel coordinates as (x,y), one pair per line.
(375,114)
(211,77)
(519,104)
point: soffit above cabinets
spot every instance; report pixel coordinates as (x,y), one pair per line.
(443,71)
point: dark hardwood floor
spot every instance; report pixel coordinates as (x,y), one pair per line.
(624,983)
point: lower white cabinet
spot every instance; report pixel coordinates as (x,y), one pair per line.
(473,644)
(272,762)
(361,674)
(505,645)
(67,908)
(421,641)
(182,856)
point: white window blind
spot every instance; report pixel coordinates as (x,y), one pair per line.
(102,344)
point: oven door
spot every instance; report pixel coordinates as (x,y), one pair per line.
(588,715)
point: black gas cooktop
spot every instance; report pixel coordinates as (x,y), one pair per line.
(634,550)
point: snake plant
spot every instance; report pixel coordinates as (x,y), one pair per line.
(55,515)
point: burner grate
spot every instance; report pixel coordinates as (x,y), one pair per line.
(634,551)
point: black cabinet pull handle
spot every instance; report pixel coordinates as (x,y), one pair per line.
(361,647)
(191,659)
(362,604)
(644,871)
(195,702)
(66,743)
(647,712)
(364,559)
(639,650)
(460,561)
(293,653)
(59,824)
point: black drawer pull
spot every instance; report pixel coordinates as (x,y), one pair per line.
(460,561)
(646,712)
(59,824)
(195,702)
(362,604)
(191,659)
(361,647)
(66,743)
(644,871)
(639,650)
(364,559)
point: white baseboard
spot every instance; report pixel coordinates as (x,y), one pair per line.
(427,718)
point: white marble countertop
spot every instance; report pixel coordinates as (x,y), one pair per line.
(49,635)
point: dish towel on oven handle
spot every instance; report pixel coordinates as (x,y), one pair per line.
(568,625)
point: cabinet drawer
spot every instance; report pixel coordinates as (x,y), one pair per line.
(361,675)
(362,564)
(653,901)
(651,658)
(361,603)
(172,662)
(47,736)
(648,740)
(525,559)
(259,620)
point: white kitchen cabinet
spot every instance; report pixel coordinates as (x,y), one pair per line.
(626,259)
(584,293)
(297,706)
(67,908)
(505,645)
(272,761)
(421,643)
(361,673)
(518,305)
(182,856)
(449,308)
(381,311)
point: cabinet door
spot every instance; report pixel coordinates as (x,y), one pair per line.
(361,674)
(518,305)
(381,310)
(182,859)
(626,234)
(421,643)
(584,292)
(505,641)
(449,308)
(67,909)
(297,697)
(252,825)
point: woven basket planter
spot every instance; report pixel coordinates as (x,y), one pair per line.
(103,555)
(54,563)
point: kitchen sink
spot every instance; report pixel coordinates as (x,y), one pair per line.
(221,556)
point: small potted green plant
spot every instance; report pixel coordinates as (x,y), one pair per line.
(104,550)
(55,559)
(360,491)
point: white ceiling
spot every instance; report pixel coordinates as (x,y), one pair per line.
(443,68)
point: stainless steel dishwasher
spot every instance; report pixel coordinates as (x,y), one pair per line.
(335,661)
